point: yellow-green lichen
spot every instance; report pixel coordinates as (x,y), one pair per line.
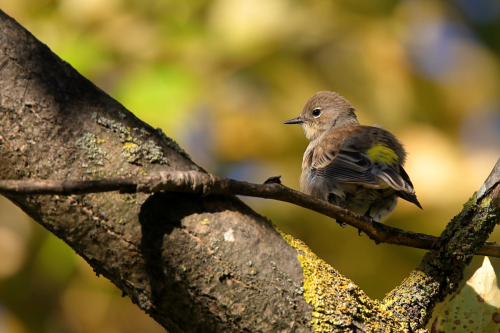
(411,292)
(135,150)
(486,203)
(451,253)
(129,145)
(205,221)
(337,302)
(90,144)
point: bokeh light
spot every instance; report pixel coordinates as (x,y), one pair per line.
(221,76)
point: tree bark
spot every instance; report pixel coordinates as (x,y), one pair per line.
(194,263)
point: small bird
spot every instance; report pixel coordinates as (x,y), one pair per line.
(353,166)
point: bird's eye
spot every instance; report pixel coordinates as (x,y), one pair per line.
(316,113)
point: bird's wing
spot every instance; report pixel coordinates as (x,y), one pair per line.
(347,165)
(408,195)
(356,168)
(340,160)
(344,166)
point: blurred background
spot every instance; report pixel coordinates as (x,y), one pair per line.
(221,76)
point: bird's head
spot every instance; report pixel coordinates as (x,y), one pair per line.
(323,112)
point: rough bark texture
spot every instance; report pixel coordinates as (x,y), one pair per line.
(443,266)
(195,264)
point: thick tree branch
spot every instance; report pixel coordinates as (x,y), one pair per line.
(205,184)
(194,263)
(443,266)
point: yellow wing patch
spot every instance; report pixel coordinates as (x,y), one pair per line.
(382,154)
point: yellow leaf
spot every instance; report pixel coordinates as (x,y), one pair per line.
(475,307)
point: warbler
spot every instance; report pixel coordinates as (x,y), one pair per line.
(353,166)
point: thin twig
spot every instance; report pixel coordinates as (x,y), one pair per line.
(205,184)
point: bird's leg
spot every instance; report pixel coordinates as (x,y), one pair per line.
(347,200)
(344,205)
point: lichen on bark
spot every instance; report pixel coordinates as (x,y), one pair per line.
(339,305)
(442,267)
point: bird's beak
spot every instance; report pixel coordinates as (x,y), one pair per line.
(297,120)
